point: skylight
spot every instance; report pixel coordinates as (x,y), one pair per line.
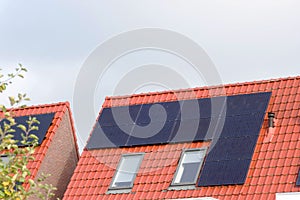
(126,172)
(189,166)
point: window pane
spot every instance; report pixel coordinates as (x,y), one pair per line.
(5,159)
(192,156)
(126,172)
(189,166)
(189,172)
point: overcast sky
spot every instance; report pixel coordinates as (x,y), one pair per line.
(246,40)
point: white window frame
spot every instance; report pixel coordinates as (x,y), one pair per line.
(204,150)
(111,187)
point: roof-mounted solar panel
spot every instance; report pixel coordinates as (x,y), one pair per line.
(45,122)
(229,158)
(298,179)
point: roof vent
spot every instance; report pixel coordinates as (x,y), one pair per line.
(271,117)
(271,127)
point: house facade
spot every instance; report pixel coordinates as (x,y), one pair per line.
(237,141)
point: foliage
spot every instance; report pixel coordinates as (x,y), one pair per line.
(15,179)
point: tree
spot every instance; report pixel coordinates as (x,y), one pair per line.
(15,181)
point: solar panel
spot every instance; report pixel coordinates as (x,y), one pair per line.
(242,125)
(190,130)
(224,172)
(229,159)
(101,139)
(232,149)
(44,119)
(298,179)
(158,133)
(247,103)
(119,115)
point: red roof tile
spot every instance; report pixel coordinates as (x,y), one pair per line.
(274,167)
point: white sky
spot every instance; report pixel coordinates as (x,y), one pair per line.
(246,40)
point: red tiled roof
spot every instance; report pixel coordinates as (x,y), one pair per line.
(59,109)
(273,169)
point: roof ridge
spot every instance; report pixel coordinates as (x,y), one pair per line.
(202,88)
(66,103)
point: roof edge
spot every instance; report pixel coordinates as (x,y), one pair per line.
(200,88)
(73,128)
(40,106)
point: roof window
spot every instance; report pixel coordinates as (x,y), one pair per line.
(126,171)
(189,167)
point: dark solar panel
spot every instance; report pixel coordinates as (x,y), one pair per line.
(190,130)
(232,149)
(109,139)
(247,104)
(229,159)
(119,115)
(154,133)
(242,125)
(224,172)
(298,179)
(44,119)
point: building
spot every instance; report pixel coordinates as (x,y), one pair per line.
(237,141)
(57,152)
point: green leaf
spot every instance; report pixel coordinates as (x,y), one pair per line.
(2,108)
(2,87)
(2,195)
(24,69)
(33,137)
(12,100)
(22,180)
(31,182)
(22,127)
(10,131)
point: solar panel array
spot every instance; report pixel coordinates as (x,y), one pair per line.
(44,119)
(158,123)
(232,123)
